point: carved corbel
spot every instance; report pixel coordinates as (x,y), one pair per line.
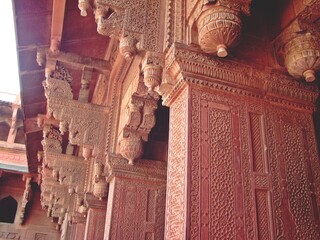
(58,83)
(220,25)
(52,139)
(85,80)
(25,198)
(109,21)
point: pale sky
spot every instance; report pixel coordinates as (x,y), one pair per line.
(9,81)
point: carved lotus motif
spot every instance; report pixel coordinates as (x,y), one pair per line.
(302,56)
(131,148)
(219,28)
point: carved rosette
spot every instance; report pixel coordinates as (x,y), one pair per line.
(127,47)
(152,75)
(131,147)
(302,56)
(219,28)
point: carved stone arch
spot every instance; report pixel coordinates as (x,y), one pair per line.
(8,209)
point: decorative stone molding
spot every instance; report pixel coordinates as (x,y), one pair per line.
(183,63)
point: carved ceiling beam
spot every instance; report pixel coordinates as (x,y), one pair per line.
(298,48)
(58,10)
(45,57)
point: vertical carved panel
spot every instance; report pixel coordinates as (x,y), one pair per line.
(137,209)
(79,231)
(215,166)
(221,167)
(259,164)
(261,176)
(292,178)
(176,199)
(95,224)
(263,217)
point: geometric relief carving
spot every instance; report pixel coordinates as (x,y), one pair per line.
(293,176)
(259,164)
(218,178)
(176,200)
(263,217)
(298,184)
(138,210)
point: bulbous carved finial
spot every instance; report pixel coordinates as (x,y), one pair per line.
(84,6)
(86,152)
(302,56)
(127,46)
(131,147)
(219,28)
(152,75)
(100,189)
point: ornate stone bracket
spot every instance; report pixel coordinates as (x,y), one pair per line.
(141,120)
(25,198)
(132,23)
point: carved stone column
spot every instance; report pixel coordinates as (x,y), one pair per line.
(96,218)
(243,161)
(136,200)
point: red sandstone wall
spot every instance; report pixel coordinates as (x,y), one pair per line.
(241,169)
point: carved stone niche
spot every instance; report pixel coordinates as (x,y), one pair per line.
(219,25)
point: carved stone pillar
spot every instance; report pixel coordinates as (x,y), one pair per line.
(242,163)
(136,200)
(95,219)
